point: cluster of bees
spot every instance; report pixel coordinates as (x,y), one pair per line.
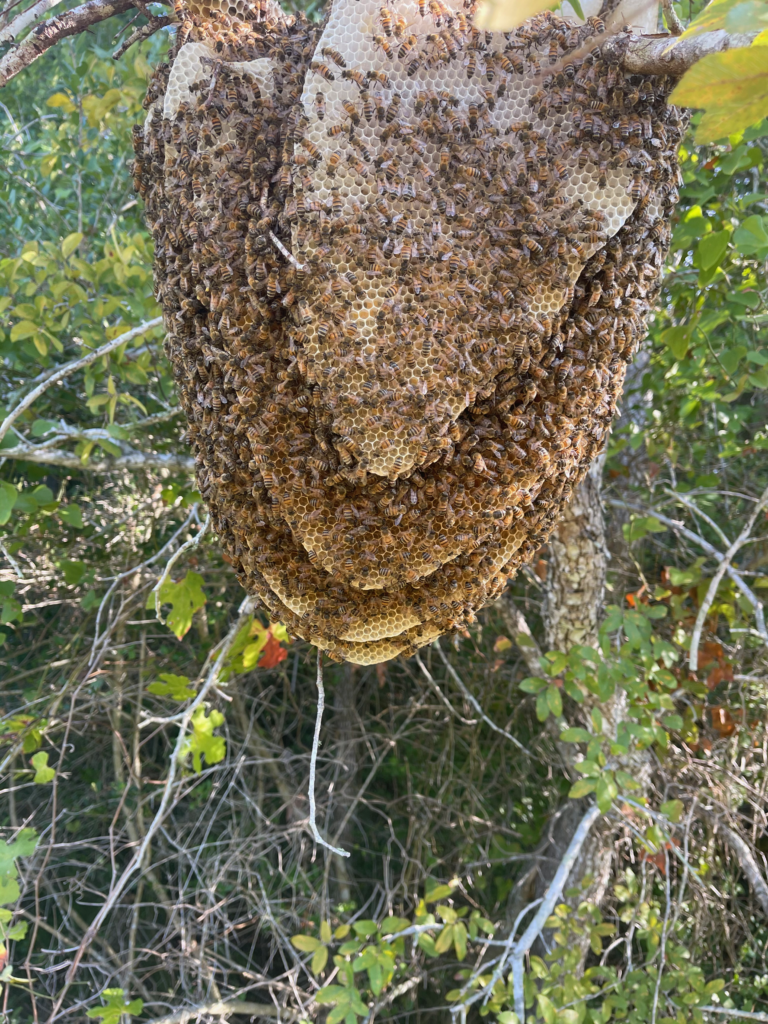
(403,265)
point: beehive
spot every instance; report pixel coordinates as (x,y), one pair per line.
(403,265)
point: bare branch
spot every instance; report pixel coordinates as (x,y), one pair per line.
(130,459)
(313,762)
(77,364)
(520,632)
(223,1009)
(473,700)
(137,860)
(714,583)
(748,863)
(741,1014)
(142,32)
(675,524)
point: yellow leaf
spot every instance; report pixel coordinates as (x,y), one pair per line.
(70,243)
(504,15)
(319,960)
(732,88)
(60,99)
(325,932)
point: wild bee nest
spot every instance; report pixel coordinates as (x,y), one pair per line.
(403,264)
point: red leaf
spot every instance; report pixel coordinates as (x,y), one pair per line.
(272,654)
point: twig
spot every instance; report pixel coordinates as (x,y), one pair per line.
(674,24)
(224,1008)
(473,701)
(441,695)
(313,762)
(748,863)
(186,546)
(520,631)
(714,583)
(289,256)
(745,1014)
(165,805)
(663,942)
(675,524)
(142,32)
(77,364)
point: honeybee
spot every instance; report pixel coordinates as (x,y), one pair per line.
(320,105)
(385,46)
(351,111)
(334,55)
(385,16)
(406,46)
(351,75)
(324,70)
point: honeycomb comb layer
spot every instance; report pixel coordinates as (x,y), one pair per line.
(402,271)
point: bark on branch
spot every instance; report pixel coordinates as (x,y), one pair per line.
(130,459)
(660,55)
(48,33)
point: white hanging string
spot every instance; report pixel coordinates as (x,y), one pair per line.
(313,762)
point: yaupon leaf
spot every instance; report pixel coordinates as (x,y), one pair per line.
(732,87)
(306,943)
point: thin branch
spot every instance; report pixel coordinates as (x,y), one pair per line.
(142,32)
(223,1009)
(313,762)
(137,860)
(670,15)
(131,459)
(520,632)
(473,701)
(433,683)
(748,863)
(77,364)
(714,583)
(675,524)
(745,1014)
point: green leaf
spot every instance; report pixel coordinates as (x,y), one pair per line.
(427,943)
(581,788)
(732,87)
(393,925)
(73,572)
(444,940)
(115,1006)
(606,791)
(319,960)
(72,515)
(712,249)
(8,496)
(575,735)
(175,687)
(460,940)
(542,705)
(325,931)
(672,722)
(331,993)
(71,242)
(185,598)
(554,701)
(43,773)
(439,892)
(364,928)
(673,810)
(546,1009)
(306,943)
(533,684)
(203,743)
(23,329)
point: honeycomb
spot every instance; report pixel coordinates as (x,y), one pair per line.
(403,265)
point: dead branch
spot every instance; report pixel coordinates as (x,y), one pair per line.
(520,632)
(747,862)
(52,31)
(142,32)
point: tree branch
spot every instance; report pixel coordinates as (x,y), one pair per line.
(661,55)
(746,860)
(77,364)
(519,632)
(52,31)
(130,459)
(223,1009)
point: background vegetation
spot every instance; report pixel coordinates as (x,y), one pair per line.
(156,853)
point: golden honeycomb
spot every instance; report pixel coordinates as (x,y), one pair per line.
(403,265)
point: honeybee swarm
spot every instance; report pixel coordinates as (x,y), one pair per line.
(402,271)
